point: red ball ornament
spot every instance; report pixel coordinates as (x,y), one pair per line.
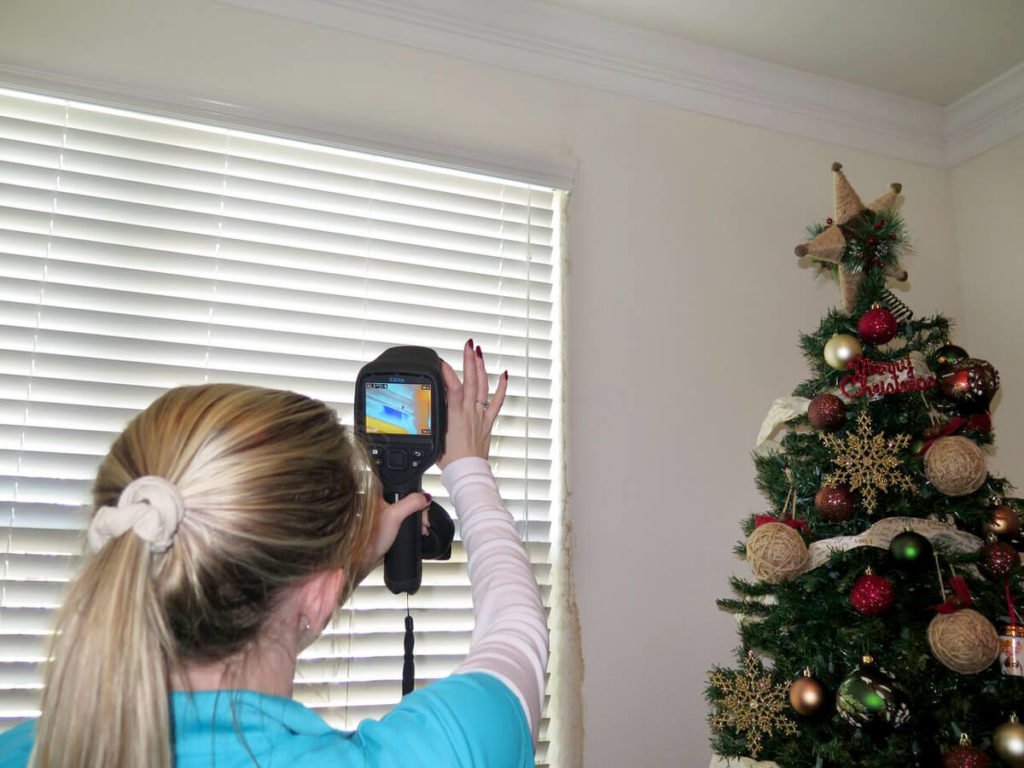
(877,326)
(872,595)
(999,560)
(835,505)
(827,413)
(969,385)
(965,756)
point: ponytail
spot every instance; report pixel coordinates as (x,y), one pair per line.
(105,700)
(244,492)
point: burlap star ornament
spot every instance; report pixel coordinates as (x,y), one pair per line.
(830,245)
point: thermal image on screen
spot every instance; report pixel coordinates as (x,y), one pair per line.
(397,409)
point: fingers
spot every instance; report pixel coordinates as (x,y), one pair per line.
(451,382)
(406,506)
(472,391)
(481,377)
(498,399)
(469,373)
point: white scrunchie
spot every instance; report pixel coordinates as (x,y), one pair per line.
(150,506)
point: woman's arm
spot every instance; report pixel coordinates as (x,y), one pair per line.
(510,638)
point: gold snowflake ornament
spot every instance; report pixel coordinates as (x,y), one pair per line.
(868,462)
(751,704)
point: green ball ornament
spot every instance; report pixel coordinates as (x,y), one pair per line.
(911,550)
(948,354)
(869,698)
(841,349)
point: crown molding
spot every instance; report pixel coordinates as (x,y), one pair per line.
(570,46)
(986,117)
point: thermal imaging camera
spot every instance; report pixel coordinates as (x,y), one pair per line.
(401,411)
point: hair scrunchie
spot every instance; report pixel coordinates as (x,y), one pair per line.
(150,506)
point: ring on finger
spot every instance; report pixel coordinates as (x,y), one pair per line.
(482,403)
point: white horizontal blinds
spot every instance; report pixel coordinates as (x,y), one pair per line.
(140,253)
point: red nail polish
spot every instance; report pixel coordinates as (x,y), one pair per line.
(479,352)
(429,497)
(469,343)
(505,374)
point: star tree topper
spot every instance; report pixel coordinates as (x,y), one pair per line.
(830,246)
(868,462)
(752,704)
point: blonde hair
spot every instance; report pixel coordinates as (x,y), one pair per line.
(275,489)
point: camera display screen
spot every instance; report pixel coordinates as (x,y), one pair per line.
(398,408)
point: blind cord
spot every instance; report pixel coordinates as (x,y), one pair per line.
(409,664)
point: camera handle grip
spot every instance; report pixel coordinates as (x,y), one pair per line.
(403,563)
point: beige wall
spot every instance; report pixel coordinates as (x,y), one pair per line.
(684,299)
(988,200)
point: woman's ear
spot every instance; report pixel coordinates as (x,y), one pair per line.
(318,599)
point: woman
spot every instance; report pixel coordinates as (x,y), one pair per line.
(230,522)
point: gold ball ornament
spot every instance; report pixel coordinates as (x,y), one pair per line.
(841,349)
(1005,522)
(955,465)
(776,552)
(806,695)
(964,641)
(1008,739)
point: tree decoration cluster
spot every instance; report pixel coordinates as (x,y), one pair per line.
(859,238)
(887,539)
(868,462)
(751,703)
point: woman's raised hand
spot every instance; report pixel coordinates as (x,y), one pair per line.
(471,413)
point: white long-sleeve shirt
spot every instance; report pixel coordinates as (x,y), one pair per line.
(510,638)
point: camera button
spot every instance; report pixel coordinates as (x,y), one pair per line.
(397,459)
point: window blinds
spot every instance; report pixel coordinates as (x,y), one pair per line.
(139,253)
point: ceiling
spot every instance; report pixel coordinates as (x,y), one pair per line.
(936,51)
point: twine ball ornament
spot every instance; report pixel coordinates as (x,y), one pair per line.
(955,465)
(964,641)
(776,552)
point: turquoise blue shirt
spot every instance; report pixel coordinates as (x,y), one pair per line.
(460,721)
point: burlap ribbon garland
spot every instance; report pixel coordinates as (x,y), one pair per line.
(941,535)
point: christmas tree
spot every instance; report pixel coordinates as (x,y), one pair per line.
(880,627)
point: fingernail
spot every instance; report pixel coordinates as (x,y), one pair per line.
(469,343)
(479,352)
(505,375)
(429,497)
